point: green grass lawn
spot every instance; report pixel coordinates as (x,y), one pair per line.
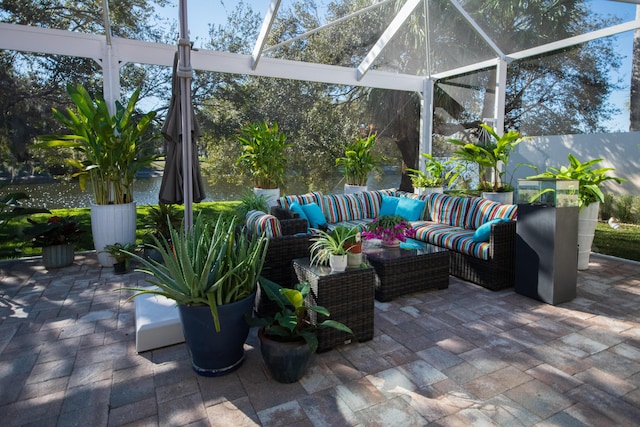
(13,245)
(622,243)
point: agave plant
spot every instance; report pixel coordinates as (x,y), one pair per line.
(209,264)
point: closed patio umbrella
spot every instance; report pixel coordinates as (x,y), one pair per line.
(182,181)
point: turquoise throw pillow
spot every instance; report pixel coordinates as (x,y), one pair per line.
(388,205)
(314,215)
(297,208)
(483,232)
(410,209)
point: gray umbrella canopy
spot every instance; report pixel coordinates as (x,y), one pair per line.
(171,189)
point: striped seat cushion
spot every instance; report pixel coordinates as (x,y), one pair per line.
(302,199)
(261,223)
(448,210)
(452,238)
(481,211)
(371,201)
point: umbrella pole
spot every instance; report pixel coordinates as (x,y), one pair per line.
(185,74)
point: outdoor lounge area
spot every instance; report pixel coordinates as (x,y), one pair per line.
(463,355)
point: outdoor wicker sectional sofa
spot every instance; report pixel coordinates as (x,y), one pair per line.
(453,222)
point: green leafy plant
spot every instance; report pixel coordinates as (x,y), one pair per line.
(488,156)
(55,231)
(121,252)
(209,264)
(327,243)
(359,160)
(434,175)
(291,322)
(263,153)
(249,201)
(589,179)
(160,218)
(11,208)
(112,149)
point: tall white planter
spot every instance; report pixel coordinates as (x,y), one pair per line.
(505,197)
(112,224)
(421,191)
(351,189)
(587,221)
(272,194)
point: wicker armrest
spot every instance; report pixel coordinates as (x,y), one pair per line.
(503,241)
(293,226)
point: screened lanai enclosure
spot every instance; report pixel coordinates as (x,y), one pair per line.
(415,71)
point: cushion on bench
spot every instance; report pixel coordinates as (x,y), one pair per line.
(452,238)
(449,210)
(481,211)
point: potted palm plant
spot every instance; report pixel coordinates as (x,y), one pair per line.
(109,151)
(590,196)
(263,157)
(211,271)
(431,180)
(358,162)
(331,246)
(288,338)
(492,158)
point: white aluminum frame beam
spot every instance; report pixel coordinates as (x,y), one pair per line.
(386,36)
(477,28)
(264,31)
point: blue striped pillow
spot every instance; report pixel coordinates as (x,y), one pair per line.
(449,210)
(259,223)
(483,210)
(342,207)
(303,199)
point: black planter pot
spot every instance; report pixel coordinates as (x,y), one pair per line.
(120,267)
(287,362)
(216,353)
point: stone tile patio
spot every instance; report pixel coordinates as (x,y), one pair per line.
(460,356)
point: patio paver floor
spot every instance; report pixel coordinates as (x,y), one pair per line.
(459,356)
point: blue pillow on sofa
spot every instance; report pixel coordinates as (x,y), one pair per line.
(314,215)
(483,232)
(388,205)
(410,209)
(297,208)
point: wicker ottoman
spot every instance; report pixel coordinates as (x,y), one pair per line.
(347,295)
(402,271)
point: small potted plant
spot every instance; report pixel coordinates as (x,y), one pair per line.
(263,157)
(330,246)
(353,245)
(56,237)
(358,161)
(390,230)
(121,253)
(288,338)
(492,157)
(431,180)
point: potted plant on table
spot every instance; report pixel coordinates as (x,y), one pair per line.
(111,149)
(492,157)
(330,246)
(431,180)
(590,196)
(121,253)
(391,230)
(263,157)
(358,161)
(288,338)
(57,237)
(211,271)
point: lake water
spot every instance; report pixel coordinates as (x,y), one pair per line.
(64,194)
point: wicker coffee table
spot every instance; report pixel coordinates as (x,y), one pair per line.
(347,295)
(402,271)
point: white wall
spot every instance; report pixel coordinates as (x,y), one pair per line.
(619,150)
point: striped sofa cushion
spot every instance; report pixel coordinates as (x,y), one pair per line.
(482,210)
(449,210)
(455,239)
(261,223)
(303,199)
(371,201)
(342,207)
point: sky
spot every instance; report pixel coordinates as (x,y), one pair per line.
(203,12)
